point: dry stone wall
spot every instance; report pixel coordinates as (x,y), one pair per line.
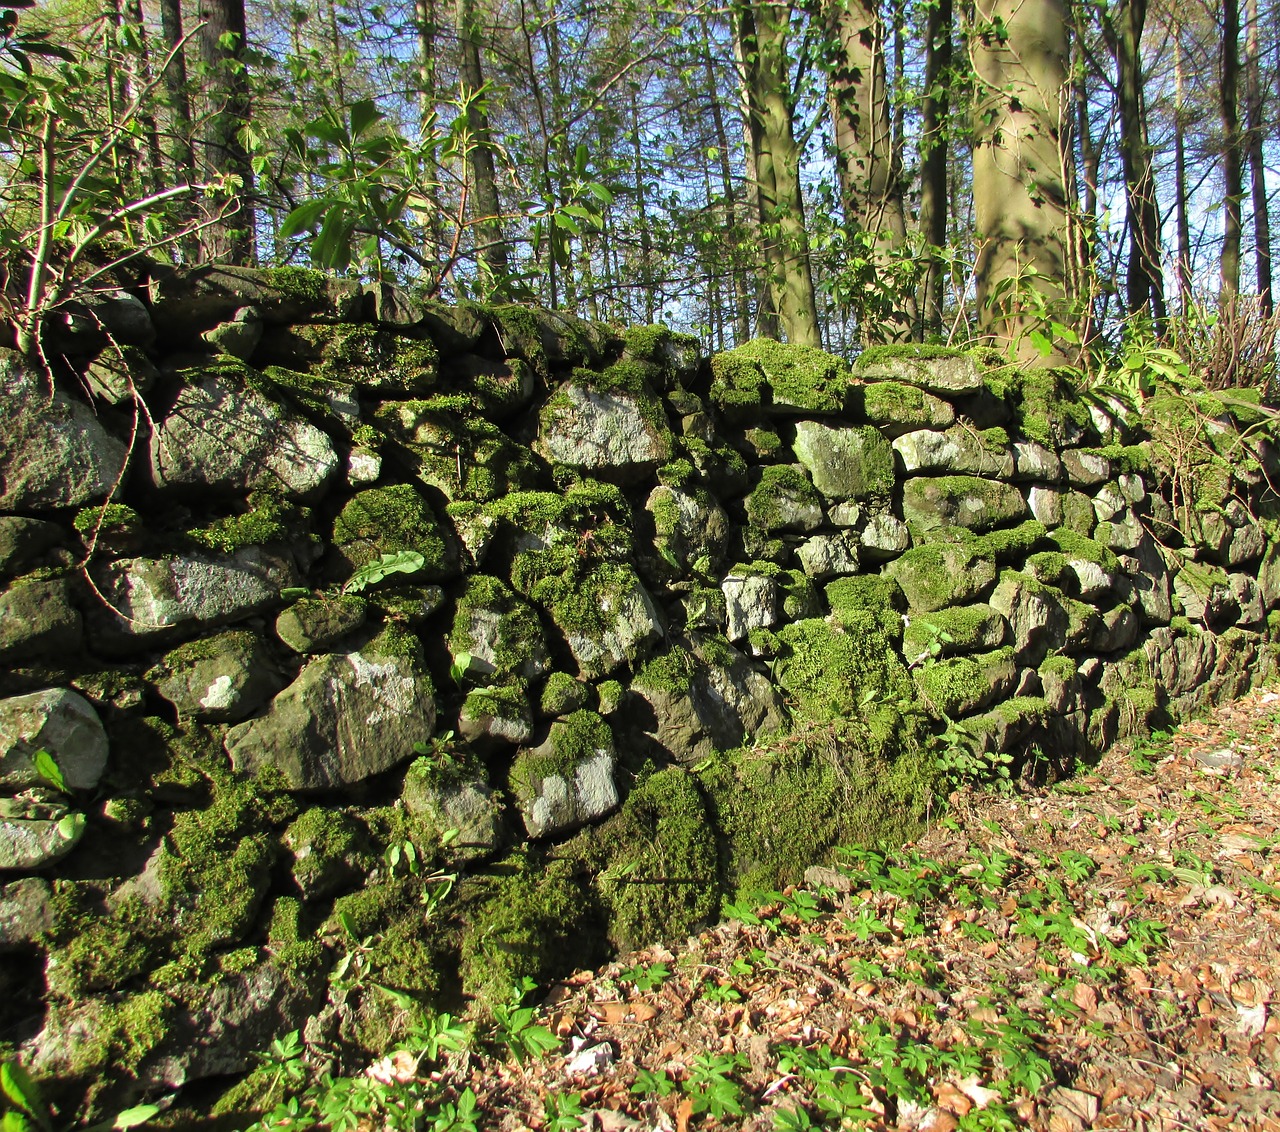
(316,595)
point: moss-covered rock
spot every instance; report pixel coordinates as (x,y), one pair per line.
(222,678)
(39,618)
(446,792)
(895,408)
(267,519)
(313,624)
(767,376)
(356,353)
(691,530)
(784,500)
(495,716)
(961,629)
(881,597)
(329,851)
(941,574)
(568,780)
(563,695)
(498,630)
(845,463)
(965,501)
(386,520)
(1050,409)
(961,685)
(939,369)
(960,449)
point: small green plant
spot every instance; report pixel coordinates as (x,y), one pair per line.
(646,978)
(515,1030)
(23,1108)
(711,1086)
(371,573)
(649,1084)
(563,1112)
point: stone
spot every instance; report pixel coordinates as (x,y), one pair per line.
(1109,502)
(499,630)
(497,716)
(344,719)
(784,500)
(1036,616)
(39,619)
(1033,461)
(238,337)
(960,449)
(1131,487)
(53,453)
(894,408)
(946,374)
(829,556)
(961,685)
(568,780)
(1249,598)
(1059,684)
(1122,532)
(26,913)
(751,602)
(845,514)
(689,527)
(223,435)
(152,600)
(502,387)
(705,609)
(1085,468)
(456,328)
(772,378)
(1045,504)
(464,802)
(1146,568)
(220,679)
(1117,630)
(56,720)
(884,537)
(34,835)
(1205,594)
(960,629)
(965,501)
(26,543)
(125,318)
(390,520)
(1269,575)
(1248,543)
(330,851)
(941,574)
(315,624)
(845,463)
(702,697)
(364,467)
(119,376)
(615,435)
(1078,514)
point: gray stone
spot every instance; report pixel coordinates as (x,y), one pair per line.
(221,679)
(884,537)
(491,718)
(689,526)
(610,621)
(58,721)
(1206,596)
(1269,575)
(1035,615)
(1059,685)
(329,850)
(751,602)
(959,449)
(941,574)
(38,619)
(1078,514)
(1085,468)
(499,630)
(846,514)
(784,500)
(447,802)
(1045,504)
(963,501)
(1094,580)
(364,467)
(119,376)
(186,301)
(26,543)
(1034,461)
(1122,532)
(568,780)
(613,434)
(1247,544)
(26,913)
(1249,598)
(53,453)
(344,719)
(456,328)
(845,463)
(829,556)
(223,435)
(34,835)
(1146,569)
(894,408)
(125,318)
(157,599)
(1116,629)
(239,337)
(945,375)
(314,624)
(1109,502)
(1131,487)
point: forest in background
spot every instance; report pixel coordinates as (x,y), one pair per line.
(834,173)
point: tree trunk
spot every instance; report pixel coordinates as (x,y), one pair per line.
(486,207)
(762,35)
(1180,178)
(229,238)
(1019,183)
(1232,188)
(427,27)
(870,178)
(933,162)
(1257,169)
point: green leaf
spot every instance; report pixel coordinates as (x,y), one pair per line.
(401,562)
(304,217)
(132,1117)
(1041,342)
(22,1092)
(364,114)
(47,767)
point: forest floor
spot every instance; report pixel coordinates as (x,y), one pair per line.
(1101,954)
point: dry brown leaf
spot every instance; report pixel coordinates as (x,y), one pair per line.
(684,1110)
(1085,997)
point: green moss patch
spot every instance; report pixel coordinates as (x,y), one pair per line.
(767,375)
(881,597)
(384,520)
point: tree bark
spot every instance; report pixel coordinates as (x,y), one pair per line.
(229,237)
(1019,183)
(933,162)
(762,36)
(1180,178)
(1257,168)
(1232,188)
(427,27)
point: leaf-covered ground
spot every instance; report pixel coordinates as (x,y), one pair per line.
(1103,954)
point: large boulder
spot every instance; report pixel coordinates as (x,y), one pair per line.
(964,501)
(568,780)
(53,451)
(936,369)
(959,449)
(224,435)
(845,463)
(344,719)
(221,679)
(618,434)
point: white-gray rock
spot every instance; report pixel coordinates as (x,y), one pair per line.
(751,602)
(1034,461)
(56,720)
(1046,504)
(613,434)
(829,556)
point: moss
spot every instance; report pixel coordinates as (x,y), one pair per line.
(497,701)
(1003,545)
(897,402)
(764,372)
(909,351)
(656,862)
(527,918)
(783,500)
(563,695)
(366,436)
(782,807)
(574,740)
(521,338)
(1078,547)
(1022,709)
(1050,567)
(1135,459)
(610,693)
(764,441)
(799,595)
(764,643)
(1046,398)
(105,952)
(114,518)
(963,628)
(1078,514)
(585,599)
(646,342)
(679,473)
(672,672)
(955,686)
(301,283)
(268,520)
(941,574)
(284,926)
(386,520)
(364,354)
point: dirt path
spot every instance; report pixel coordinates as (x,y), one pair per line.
(1103,954)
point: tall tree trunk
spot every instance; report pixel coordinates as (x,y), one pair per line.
(1232,188)
(933,162)
(1144,279)
(1257,168)
(180,146)
(486,207)
(1180,178)
(1019,185)
(762,37)
(427,27)
(870,179)
(229,238)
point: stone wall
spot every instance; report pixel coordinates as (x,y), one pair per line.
(316,597)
